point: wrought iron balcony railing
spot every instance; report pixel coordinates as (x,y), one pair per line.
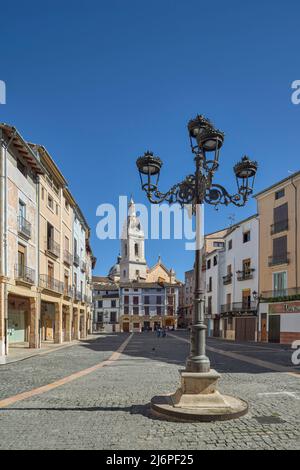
(83,266)
(24,274)
(227,279)
(78,295)
(281,293)
(68,258)
(53,247)
(279,226)
(24,227)
(275,260)
(234,307)
(68,291)
(245,275)
(50,283)
(76,259)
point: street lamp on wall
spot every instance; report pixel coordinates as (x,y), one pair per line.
(197,398)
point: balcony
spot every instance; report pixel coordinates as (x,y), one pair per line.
(68,291)
(78,295)
(292,293)
(245,275)
(83,266)
(279,226)
(52,247)
(24,227)
(24,274)
(50,283)
(76,259)
(275,260)
(238,307)
(68,258)
(227,279)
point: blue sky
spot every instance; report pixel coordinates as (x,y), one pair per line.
(98,83)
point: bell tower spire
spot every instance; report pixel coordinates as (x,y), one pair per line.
(133,264)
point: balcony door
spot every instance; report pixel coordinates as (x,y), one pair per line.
(50,236)
(246,298)
(279,283)
(21,260)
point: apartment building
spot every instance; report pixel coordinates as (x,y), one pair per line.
(238,279)
(106,304)
(279,261)
(20,169)
(37,220)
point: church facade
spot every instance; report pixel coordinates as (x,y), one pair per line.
(148,297)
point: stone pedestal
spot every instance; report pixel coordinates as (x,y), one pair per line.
(197,399)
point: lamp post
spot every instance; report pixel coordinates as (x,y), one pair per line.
(197,398)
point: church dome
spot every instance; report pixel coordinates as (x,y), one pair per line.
(115,269)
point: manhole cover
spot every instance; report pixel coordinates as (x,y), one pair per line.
(269,419)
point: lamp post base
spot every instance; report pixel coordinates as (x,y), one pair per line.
(198,400)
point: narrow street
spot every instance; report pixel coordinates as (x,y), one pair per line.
(95,395)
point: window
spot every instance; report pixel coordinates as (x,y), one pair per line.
(209,284)
(246,236)
(230,245)
(208,264)
(56,210)
(158,299)
(124,273)
(43,193)
(146,310)
(100,317)
(126,299)
(279,194)
(280,249)
(21,259)
(126,310)
(67,205)
(22,168)
(22,210)
(113,304)
(50,202)
(135,310)
(135,300)
(137,273)
(135,290)
(209,305)
(136,249)
(218,244)
(125,249)
(50,270)
(280,283)
(113,317)
(215,260)
(158,310)
(50,236)
(246,266)
(75,246)
(146,300)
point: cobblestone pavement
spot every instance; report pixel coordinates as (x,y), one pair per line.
(108,409)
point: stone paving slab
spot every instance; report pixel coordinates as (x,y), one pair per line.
(109,409)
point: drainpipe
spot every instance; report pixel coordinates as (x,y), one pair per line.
(296,232)
(3,236)
(38,306)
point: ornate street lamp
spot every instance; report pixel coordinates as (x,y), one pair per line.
(197,398)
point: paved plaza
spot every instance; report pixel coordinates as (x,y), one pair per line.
(85,401)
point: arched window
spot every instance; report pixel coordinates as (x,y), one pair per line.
(124,273)
(125,249)
(136,249)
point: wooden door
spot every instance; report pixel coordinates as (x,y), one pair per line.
(263,327)
(274,328)
(126,327)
